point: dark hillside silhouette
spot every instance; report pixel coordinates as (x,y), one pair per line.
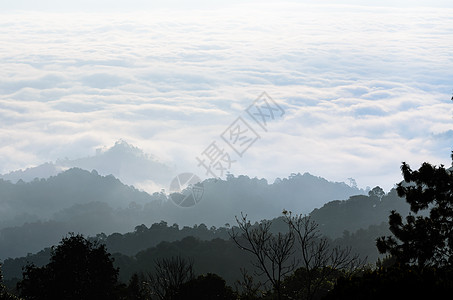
(357,212)
(126,162)
(45,197)
(78,269)
(144,237)
(420,261)
(42,211)
(424,240)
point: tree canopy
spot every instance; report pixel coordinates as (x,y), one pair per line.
(424,239)
(78,269)
(4,294)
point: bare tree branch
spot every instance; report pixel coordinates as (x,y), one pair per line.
(318,258)
(273,253)
(169,275)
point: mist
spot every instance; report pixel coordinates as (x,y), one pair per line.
(182,132)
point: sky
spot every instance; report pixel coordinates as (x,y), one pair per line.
(361,85)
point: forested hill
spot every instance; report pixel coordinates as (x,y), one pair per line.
(76,200)
(336,219)
(357,212)
(355,222)
(224,199)
(124,161)
(41,198)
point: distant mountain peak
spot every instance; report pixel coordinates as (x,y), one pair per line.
(121,146)
(123,160)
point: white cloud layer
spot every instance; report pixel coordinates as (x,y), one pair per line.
(364,88)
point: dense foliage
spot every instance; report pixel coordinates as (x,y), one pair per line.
(169,262)
(396,282)
(423,240)
(78,269)
(421,249)
(4,294)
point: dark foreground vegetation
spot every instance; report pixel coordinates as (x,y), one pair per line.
(286,258)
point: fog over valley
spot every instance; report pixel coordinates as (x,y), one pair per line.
(231,150)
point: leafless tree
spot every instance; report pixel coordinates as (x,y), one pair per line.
(273,252)
(318,258)
(247,287)
(169,275)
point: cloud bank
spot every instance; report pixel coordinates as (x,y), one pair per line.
(363,88)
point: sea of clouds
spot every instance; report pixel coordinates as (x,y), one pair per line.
(363,87)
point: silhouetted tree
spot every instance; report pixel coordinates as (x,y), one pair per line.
(136,289)
(170,274)
(395,282)
(206,287)
(4,294)
(376,192)
(78,269)
(310,284)
(273,252)
(320,261)
(423,240)
(247,288)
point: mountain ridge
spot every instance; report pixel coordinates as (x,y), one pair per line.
(128,163)
(89,203)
